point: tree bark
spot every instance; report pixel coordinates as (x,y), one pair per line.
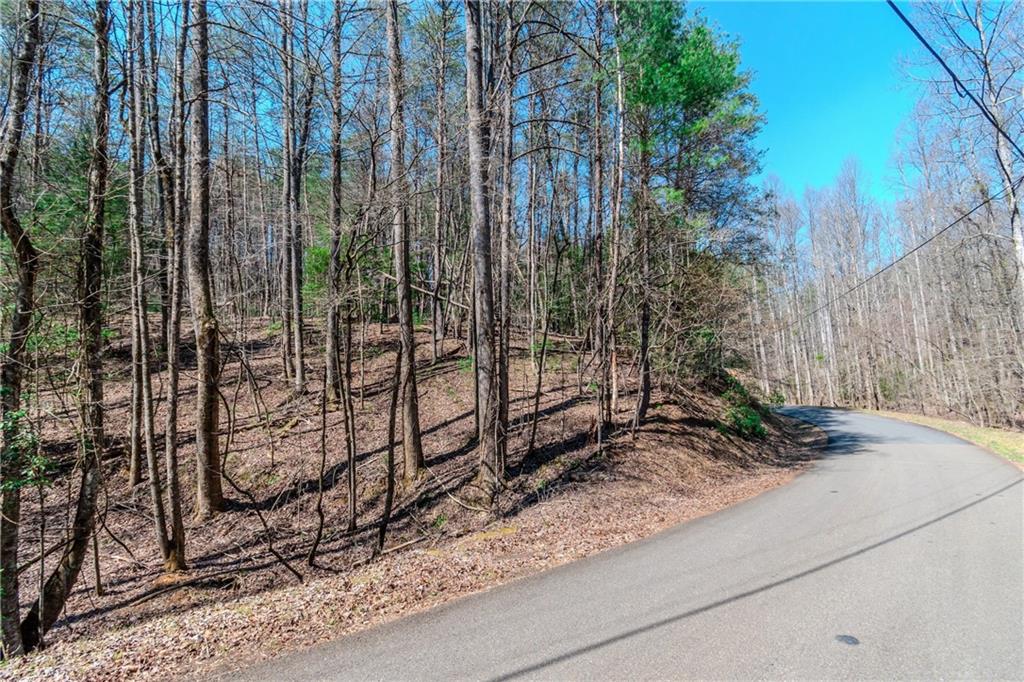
(332,359)
(141,347)
(440,215)
(58,586)
(175,275)
(12,359)
(597,199)
(411,442)
(644,236)
(164,170)
(209,495)
(480,228)
(504,239)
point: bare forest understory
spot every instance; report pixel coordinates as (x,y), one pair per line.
(248,188)
(240,600)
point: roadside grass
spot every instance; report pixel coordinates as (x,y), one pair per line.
(1006,444)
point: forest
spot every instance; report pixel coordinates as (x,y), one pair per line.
(941,332)
(287,284)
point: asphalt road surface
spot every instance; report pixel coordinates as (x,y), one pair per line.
(897,555)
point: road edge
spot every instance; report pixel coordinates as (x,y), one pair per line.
(807,434)
(901,417)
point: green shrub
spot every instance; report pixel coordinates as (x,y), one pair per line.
(53,339)
(744,421)
(22,459)
(735,392)
(892,386)
(743,416)
(315,265)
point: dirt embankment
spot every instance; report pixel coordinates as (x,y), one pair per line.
(238,604)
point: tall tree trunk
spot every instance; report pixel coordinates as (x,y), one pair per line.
(300,151)
(644,221)
(440,84)
(58,585)
(334,379)
(209,496)
(480,227)
(504,239)
(411,442)
(597,199)
(175,275)
(12,357)
(164,170)
(141,348)
(287,250)
(618,188)
(296,135)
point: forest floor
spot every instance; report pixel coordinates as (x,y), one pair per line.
(1005,443)
(238,604)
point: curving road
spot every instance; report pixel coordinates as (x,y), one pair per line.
(898,555)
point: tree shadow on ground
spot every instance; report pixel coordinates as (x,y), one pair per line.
(842,440)
(250,555)
(534,668)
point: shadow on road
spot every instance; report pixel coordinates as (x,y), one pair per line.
(843,439)
(842,446)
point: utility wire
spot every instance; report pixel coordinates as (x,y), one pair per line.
(894,263)
(961,89)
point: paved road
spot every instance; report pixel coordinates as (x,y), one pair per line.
(898,555)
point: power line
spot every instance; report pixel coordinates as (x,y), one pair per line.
(961,89)
(903,257)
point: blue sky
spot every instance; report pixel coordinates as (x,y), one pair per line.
(829,81)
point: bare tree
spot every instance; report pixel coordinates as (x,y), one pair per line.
(12,360)
(209,496)
(483,290)
(176,217)
(142,386)
(412,445)
(47,608)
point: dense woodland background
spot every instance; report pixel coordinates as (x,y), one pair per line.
(940,333)
(225,219)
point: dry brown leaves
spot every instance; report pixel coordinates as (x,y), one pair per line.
(237,606)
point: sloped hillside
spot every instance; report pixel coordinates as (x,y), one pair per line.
(250,592)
